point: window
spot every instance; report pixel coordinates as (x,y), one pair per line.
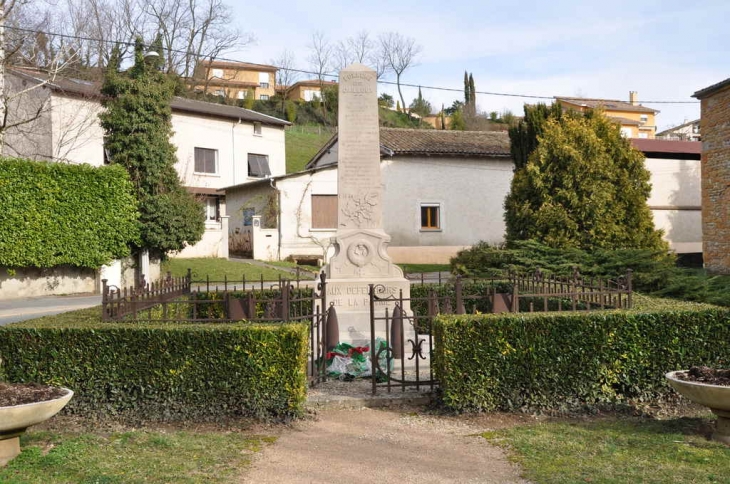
(206,160)
(258,166)
(257,128)
(643,135)
(324,211)
(311,94)
(218,73)
(248,214)
(212,209)
(220,92)
(644,118)
(430,217)
(264,97)
(264,80)
(627,132)
(241,94)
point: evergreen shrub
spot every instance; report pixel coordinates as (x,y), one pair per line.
(570,360)
(156,371)
(54,214)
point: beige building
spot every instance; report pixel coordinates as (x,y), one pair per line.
(236,80)
(636,121)
(306,90)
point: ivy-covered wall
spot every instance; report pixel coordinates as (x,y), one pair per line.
(54,214)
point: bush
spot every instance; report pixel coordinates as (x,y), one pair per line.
(162,371)
(53,214)
(564,360)
(652,269)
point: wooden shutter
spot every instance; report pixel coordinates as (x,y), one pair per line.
(324,211)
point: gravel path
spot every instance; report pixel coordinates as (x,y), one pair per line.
(367,445)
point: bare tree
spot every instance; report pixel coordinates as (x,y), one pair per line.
(359,48)
(399,54)
(320,61)
(23,103)
(192,31)
(286,74)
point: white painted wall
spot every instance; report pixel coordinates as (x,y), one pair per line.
(676,201)
(298,238)
(470,193)
(77,136)
(233,140)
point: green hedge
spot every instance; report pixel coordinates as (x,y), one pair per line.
(162,372)
(53,214)
(567,360)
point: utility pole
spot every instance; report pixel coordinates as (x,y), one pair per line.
(2,75)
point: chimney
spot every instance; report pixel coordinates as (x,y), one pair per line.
(634,98)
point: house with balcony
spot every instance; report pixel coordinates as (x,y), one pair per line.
(236,80)
(636,121)
(306,90)
(689,131)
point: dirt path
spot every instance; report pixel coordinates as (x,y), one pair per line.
(382,446)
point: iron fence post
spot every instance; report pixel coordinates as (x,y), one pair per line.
(371,292)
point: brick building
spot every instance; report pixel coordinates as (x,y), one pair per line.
(715,127)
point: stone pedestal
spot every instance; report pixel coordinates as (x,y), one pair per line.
(9,449)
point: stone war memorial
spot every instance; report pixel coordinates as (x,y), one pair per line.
(361,256)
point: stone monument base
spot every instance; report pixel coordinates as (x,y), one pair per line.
(351,300)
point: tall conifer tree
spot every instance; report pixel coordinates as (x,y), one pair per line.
(137,123)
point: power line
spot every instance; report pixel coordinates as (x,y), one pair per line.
(327,74)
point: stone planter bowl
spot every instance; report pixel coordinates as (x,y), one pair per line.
(716,397)
(15,419)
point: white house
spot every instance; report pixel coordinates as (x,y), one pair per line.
(676,199)
(443,190)
(217,145)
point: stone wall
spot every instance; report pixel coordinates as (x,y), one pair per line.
(32,282)
(715,127)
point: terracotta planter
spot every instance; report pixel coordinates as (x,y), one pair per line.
(14,420)
(716,397)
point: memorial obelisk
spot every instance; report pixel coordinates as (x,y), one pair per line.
(361,256)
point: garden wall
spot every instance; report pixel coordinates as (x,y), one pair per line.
(32,281)
(564,360)
(161,372)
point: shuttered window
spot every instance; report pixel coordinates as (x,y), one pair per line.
(258,166)
(324,211)
(206,160)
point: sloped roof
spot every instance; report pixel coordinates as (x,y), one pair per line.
(250,66)
(711,89)
(92,89)
(607,104)
(312,83)
(675,128)
(691,148)
(438,142)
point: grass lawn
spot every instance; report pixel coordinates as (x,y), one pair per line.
(132,457)
(417,268)
(217,269)
(302,142)
(617,450)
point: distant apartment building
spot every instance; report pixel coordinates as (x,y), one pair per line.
(236,80)
(306,90)
(636,121)
(689,131)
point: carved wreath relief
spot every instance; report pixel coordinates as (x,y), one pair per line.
(360,208)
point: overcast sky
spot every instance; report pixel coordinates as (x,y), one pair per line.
(666,50)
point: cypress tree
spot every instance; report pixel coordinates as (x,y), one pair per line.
(472,96)
(137,123)
(467,93)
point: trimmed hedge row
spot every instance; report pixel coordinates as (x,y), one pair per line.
(53,214)
(164,372)
(567,360)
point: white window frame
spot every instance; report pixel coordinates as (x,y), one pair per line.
(218,73)
(241,95)
(206,173)
(248,166)
(212,205)
(257,130)
(264,97)
(439,214)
